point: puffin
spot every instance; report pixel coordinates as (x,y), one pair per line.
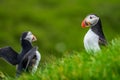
(27,60)
(95,36)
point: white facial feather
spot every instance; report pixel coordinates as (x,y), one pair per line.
(29,36)
(92,19)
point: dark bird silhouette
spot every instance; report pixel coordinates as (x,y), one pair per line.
(29,57)
(95,36)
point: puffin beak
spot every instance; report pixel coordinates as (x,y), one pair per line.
(83,24)
(34,38)
(88,23)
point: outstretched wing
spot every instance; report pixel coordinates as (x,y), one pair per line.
(9,55)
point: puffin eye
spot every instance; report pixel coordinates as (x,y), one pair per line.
(90,17)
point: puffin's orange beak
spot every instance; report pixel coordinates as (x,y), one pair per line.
(83,24)
(34,38)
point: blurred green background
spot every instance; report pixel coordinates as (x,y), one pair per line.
(56,24)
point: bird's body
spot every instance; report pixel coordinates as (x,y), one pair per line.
(29,62)
(95,36)
(91,41)
(28,56)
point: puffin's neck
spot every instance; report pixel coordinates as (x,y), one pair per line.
(26,46)
(97,29)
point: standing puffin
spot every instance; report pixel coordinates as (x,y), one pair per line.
(95,36)
(29,57)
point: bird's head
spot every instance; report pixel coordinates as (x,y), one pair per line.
(28,36)
(90,20)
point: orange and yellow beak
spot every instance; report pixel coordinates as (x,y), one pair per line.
(85,24)
(34,38)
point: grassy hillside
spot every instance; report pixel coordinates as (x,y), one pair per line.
(104,65)
(55,23)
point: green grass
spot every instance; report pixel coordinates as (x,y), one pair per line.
(104,65)
(55,23)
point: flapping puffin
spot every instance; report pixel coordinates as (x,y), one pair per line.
(29,57)
(95,36)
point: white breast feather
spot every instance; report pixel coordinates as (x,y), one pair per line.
(38,56)
(91,42)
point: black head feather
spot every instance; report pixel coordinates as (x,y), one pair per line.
(24,34)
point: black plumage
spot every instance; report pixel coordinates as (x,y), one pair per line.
(99,31)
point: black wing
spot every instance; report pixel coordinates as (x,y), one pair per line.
(29,56)
(102,42)
(24,64)
(9,55)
